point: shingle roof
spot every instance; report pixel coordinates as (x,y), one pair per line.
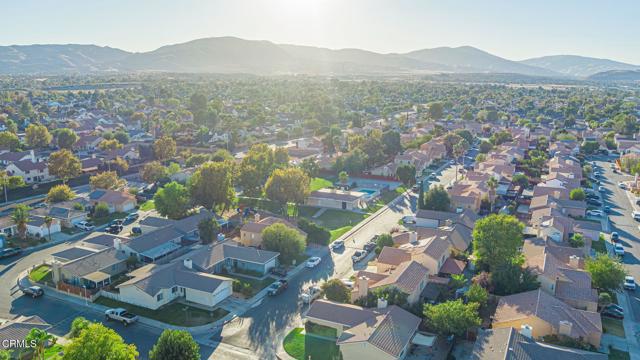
(150,240)
(19,328)
(73,253)
(207,257)
(94,262)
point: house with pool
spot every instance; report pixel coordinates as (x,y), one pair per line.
(340,199)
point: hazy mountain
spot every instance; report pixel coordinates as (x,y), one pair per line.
(17,59)
(616,75)
(579,66)
(470,59)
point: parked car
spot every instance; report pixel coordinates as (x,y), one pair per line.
(279,271)
(359,255)
(618,250)
(122,315)
(615,236)
(415,188)
(136,230)
(615,307)
(629,283)
(85,225)
(338,244)
(595,213)
(369,246)
(594,202)
(636,215)
(622,185)
(612,313)
(277,287)
(114,229)
(313,262)
(312,293)
(116,222)
(9,252)
(131,218)
(409,219)
(348,283)
(602,189)
(607,209)
(33,291)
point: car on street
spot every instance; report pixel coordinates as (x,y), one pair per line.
(595,213)
(114,229)
(629,283)
(131,218)
(116,222)
(277,287)
(121,315)
(85,225)
(9,252)
(594,202)
(615,236)
(612,313)
(313,261)
(370,246)
(408,219)
(33,291)
(136,230)
(622,186)
(338,244)
(279,271)
(618,250)
(312,293)
(607,209)
(359,255)
(602,189)
(636,215)
(615,307)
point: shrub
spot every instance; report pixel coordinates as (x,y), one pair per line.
(315,233)
(101,210)
(60,193)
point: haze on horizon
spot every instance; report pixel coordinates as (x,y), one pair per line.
(514,30)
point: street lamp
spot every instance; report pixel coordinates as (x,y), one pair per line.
(86,301)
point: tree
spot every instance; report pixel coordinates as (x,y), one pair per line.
(435,110)
(485,146)
(10,182)
(310,167)
(315,234)
(208,229)
(452,317)
(64,165)
(37,136)
(40,338)
(109,145)
(497,240)
(287,185)
(281,157)
(197,159)
(336,290)
(48,221)
(175,345)
(221,155)
(589,147)
(172,200)
(577,240)
(212,185)
(78,324)
(106,180)
(511,278)
(607,273)
(118,164)
(391,294)
(97,341)
(521,180)
(477,294)
(66,138)
(492,184)
(407,174)
(20,217)
(382,241)
(343,177)
(9,140)
(437,199)
(164,148)
(577,194)
(60,193)
(122,137)
(101,210)
(153,172)
(391,142)
(285,240)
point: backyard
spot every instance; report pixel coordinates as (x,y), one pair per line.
(148,205)
(174,314)
(319,183)
(302,347)
(41,274)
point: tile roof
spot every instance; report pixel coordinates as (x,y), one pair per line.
(393,256)
(407,277)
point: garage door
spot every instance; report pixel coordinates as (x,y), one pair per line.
(226,292)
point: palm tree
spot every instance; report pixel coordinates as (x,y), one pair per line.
(41,339)
(48,220)
(492,183)
(458,151)
(20,217)
(343,177)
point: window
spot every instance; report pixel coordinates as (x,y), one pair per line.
(174,289)
(159,297)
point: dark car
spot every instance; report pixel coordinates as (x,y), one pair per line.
(370,246)
(594,202)
(279,271)
(612,313)
(131,218)
(33,291)
(116,222)
(136,230)
(615,236)
(8,252)
(114,229)
(277,287)
(615,307)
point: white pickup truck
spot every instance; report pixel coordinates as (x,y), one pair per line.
(120,314)
(312,293)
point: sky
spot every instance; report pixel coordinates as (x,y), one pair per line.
(512,29)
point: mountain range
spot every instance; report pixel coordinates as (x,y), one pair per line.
(233,55)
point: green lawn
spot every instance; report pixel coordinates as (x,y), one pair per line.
(334,219)
(103,220)
(339,232)
(319,183)
(148,205)
(302,347)
(613,327)
(173,314)
(41,273)
(52,353)
(256,285)
(618,355)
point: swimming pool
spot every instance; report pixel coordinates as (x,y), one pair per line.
(367,191)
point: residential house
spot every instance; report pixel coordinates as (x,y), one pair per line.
(37,226)
(509,344)
(88,267)
(337,199)
(88,142)
(384,333)
(251,232)
(153,285)
(117,201)
(545,315)
(430,253)
(228,258)
(409,277)
(30,171)
(15,330)
(9,157)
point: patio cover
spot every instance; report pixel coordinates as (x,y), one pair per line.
(97,276)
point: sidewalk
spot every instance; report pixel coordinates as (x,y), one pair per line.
(631,327)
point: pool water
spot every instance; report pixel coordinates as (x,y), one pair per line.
(368,191)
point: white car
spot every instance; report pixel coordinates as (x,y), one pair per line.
(629,283)
(601,189)
(618,250)
(636,215)
(622,186)
(85,225)
(348,283)
(595,213)
(313,262)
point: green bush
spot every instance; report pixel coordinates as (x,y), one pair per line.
(315,233)
(101,210)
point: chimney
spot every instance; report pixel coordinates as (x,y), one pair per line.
(382,303)
(574,261)
(363,286)
(117,243)
(565,328)
(413,237)
(188,263)
(526,331)
(33,156)
(256,217)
